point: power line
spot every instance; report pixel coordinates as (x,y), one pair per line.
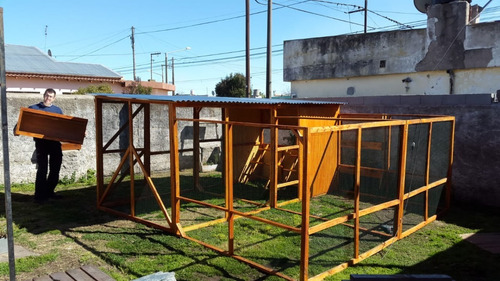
(236,17)
(212,21)
(101,48)
(309,12)
(146,66)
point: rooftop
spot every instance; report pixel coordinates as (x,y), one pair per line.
(224,100)
(32,61)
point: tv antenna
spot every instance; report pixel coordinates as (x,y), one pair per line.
(46,29)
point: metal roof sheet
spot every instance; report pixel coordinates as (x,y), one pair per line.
(206,99)
(27,59)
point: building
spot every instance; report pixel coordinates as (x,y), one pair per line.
(450,68)
(29,70)
(454,55)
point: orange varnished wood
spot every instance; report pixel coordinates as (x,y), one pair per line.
(51,126)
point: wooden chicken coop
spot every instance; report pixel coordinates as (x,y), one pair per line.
(334,188)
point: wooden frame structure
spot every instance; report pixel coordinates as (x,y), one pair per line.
(319,130)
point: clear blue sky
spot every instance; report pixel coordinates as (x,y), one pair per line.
(98,31)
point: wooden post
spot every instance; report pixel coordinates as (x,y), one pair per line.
(99,150)
(398,223)
(147,139)
(273,169)
(357,183)
(388,146)
(174,165)
(450,165)
(228,179)
(131,158)
(196,148)
(306,198)
(427,169)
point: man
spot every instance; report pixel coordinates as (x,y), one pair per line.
(48,155)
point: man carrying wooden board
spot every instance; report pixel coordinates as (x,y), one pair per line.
(48,155)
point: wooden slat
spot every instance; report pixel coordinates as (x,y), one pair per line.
(280,185)
(70,146)
(365,171)
(372,145)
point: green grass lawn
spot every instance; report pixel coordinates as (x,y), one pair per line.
(69,232)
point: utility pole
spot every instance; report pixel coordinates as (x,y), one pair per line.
(6,160)
(133,51)
(166,63)
(248,47)
(366,13)
(153,54)
(173,77)
(365,10)
(268,70)
(166,66)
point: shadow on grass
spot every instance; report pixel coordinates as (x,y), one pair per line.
(77,207)
(449,254)
(135,250)
(139,251)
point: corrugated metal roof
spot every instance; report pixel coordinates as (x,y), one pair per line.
(205,99)
(27,59)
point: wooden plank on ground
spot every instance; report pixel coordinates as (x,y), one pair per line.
(61,276)
(79,274)
(43,278)
(96,273)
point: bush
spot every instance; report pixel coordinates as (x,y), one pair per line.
(101,88)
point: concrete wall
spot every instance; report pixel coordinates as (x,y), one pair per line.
(459,82)
(448,57)
(21,147)
(477,137)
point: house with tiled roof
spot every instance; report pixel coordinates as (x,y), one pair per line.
(29,70)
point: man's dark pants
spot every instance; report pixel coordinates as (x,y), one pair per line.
(49,159)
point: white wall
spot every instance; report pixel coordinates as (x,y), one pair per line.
(472,81)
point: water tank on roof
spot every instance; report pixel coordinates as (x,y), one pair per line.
(422,5)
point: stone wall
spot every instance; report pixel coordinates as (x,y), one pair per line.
(78,162)
(476,155)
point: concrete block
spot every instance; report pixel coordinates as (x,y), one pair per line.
(478,99)
(355,100)
(431,100)
(454,100)
(410,100)
(383,100)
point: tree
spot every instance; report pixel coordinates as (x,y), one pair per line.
(101,88)
(231,86)
(137,89)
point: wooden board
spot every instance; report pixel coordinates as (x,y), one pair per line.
(84,273)
(67,129)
